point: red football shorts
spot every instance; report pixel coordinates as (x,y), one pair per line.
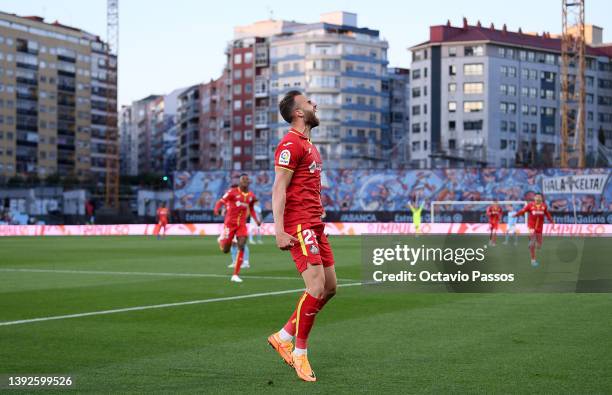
(312,247)
(494,225)
(163,222)
(229,231)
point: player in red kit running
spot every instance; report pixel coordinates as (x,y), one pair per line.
(536,211)
(495,213)
(239,202)
(162,220)
(297,209)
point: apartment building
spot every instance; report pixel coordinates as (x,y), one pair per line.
(483,96)
(58,90)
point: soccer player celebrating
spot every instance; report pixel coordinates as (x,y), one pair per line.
(511,225)
(416,216)
(297,210)
(239,202)
(494,212)
(162,220)
(536,211)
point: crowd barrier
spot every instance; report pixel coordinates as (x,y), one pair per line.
(337,228)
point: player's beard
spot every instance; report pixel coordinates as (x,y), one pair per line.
(310,119)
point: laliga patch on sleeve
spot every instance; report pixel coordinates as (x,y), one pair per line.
(284,157)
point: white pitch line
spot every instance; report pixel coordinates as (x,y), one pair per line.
(159,306)
(161,274)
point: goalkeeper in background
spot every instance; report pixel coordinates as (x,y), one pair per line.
(511,225)
(416,216)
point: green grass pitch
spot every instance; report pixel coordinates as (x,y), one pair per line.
(363,341)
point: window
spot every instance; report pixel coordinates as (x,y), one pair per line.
(533,74)
(237,150)
(473,125)
(503,89)
(416,110)
(452,126)
(524,91)
(452,106)
(533,110)
(452,144)
(416,92)
(504,126)
(452,52)
(501,51)
(534,128)
(473,88)
(525,127)
(237,89)
(512,126)
(416,74)
(512,90)
(237,58)
(512,71)
(525,109)
(452,87)
(237,136)
(476,50)
(248,57)
(473,106)
(452,70)
(416,146)
(473,69)
(503,144)
(237,104)
(248,120)
(525,74)
(237,74)
(248,73)
(416,128)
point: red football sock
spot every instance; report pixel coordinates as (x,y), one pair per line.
(322,302)
(532,249)
(306,312)
(238,262)
(290,325)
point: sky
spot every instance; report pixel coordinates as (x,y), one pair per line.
(165,45)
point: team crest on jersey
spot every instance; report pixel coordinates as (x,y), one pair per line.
(284,157)
(314,249)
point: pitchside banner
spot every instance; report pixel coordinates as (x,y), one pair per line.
(402,217)
(461,263)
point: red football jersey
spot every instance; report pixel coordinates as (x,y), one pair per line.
(536,213)
(162,214)
(238,206)
(494,213)
(297,154)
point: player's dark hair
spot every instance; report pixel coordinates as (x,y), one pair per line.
(244,175)
(287,104)
(234,185)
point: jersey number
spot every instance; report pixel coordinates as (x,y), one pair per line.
(308,235)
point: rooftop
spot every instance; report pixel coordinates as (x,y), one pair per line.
(478,33)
